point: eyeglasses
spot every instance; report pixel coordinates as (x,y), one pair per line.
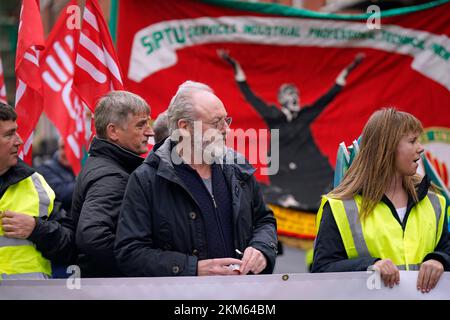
(219,124)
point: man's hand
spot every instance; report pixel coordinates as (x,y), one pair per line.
(253,260)
(226,56)
(429,274)
(211,267)
(17,225)
(239,74)
(342,77)
(358,59)
(388,271)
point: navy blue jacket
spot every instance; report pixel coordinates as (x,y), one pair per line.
(216,209)
(161,229)
(60,178)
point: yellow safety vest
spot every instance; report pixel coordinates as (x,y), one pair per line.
(381,236)
(34,197)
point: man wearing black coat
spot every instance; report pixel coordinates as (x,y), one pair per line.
(194,207)
(122,132)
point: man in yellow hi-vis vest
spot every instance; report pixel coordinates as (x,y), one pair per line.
(29,237)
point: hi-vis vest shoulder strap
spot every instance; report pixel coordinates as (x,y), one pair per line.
(380,235)
(34,197)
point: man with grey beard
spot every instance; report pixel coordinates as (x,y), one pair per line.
(194,207)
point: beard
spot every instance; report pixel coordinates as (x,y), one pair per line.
(211,146)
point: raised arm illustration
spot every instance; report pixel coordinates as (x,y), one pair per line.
(305,172)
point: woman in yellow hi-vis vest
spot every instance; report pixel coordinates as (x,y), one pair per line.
(383,214)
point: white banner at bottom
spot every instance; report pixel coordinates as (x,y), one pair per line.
(325,286)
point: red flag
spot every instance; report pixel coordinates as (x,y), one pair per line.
(97,69)
(61,104)
(2,84)
(30,41)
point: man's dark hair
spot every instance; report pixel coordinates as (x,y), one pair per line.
(7,112)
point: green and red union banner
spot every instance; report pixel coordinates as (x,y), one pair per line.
(316,79)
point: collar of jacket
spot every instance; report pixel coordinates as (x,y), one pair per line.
(422,191)
(15,174)
(161,158)
(126,159)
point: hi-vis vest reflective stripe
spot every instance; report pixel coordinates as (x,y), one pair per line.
(32,196)
(380,235)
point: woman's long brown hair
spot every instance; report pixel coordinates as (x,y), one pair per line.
(374,166)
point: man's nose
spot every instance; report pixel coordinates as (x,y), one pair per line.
(225,129)
(18,140)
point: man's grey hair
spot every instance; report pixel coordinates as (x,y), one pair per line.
(161,127)
(182,105)
(116,107)
(286,87)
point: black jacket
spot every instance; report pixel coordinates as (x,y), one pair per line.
(53,235)
(60,178)
(96,204)
(161,231)
(329,250)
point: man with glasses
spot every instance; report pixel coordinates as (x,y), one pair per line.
(194,207)
(122,123)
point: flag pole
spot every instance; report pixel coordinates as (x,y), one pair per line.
(113,20)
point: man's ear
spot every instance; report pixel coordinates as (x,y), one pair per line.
(183,124)
(112,132)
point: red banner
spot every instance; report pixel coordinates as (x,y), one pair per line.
(61,104)
(30,41)
(96,70)
(315,80)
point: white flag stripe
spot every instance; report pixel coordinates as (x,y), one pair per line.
(36,52)
(1,67)
(66,97)
(3,95)
(21,88)
(28,143)
(20,18)
(65,59)
(62,76)
(90,18)
(97,75)
(112,66)
(31,58)
(93,48)
(69,42)
(79,120)
(48,78)
(74,146)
